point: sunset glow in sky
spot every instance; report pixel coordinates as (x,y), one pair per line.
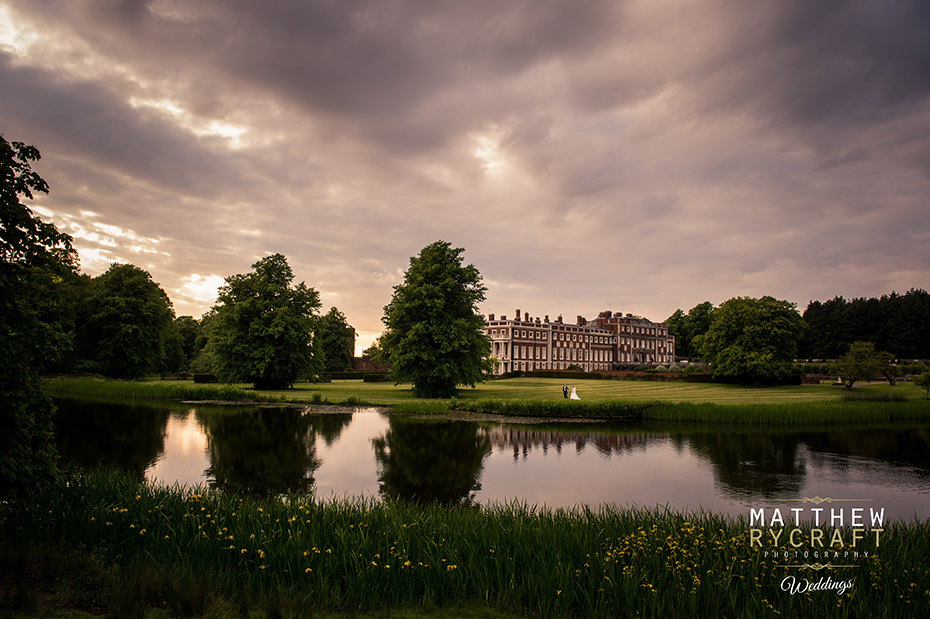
(633,155)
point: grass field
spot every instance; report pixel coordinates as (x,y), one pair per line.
(551,389)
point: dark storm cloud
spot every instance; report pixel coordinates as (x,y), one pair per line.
(643,153)
(86,120)
(831,66)
(382,65)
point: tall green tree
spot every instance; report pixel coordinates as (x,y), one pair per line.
(686,327)
(188,330)
(127,328)
(202,353)
(752,341)
(34,256)
(434,336)
(263,329)
(862,362)
(336,341)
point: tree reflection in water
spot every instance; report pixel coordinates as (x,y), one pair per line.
(438,461)
(130,437)
(752,464)
(266,451)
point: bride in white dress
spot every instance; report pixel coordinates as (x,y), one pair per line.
(574,395)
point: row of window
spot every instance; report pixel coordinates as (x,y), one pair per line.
(569,354)
(530,365)
(564,337)
(643,330)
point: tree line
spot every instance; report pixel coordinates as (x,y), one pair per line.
(758,340)
(263,328)
(898,324)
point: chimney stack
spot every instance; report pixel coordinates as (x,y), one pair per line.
(490,317)
(518,315)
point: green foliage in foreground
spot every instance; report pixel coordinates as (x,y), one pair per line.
(177,390)
(35,258)
(196,552)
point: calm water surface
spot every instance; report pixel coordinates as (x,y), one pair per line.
(269,451)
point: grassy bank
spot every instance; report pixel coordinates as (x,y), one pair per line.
(192,552)
(150,390)
(535,397)
(528,389)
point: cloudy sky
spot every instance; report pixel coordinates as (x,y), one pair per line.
(633,155)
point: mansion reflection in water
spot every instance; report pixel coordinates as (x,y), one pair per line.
(524,439)
(276,451)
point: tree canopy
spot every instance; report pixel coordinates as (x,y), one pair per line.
(686,327)
(752,341)
(336,341)
(897,323)
(33,257)
(127,328)
(263,329)
(434,336)
(862,362)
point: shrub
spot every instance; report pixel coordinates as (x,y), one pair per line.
(376,377)
(571,374)
(204,378)
(347,375)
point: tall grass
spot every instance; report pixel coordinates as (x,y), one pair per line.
(358,555)
(559,408)
(146,390)
(788,413)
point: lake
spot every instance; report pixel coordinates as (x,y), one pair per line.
(370,453)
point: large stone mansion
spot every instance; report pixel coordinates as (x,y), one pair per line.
(608,342)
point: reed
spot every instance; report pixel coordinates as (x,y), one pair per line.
(296,553)
(790,414)
(559,408)
(123,389)
(787,413)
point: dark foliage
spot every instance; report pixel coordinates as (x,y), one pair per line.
(899,324)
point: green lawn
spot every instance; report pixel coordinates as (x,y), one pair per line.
(551,389)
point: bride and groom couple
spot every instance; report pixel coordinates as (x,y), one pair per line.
(573,396)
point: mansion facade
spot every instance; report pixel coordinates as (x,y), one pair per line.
(610,341)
